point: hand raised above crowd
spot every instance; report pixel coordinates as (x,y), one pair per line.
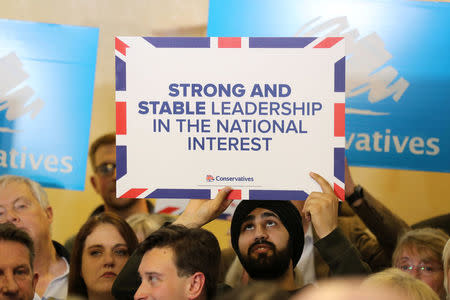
(321,208)
(199,212)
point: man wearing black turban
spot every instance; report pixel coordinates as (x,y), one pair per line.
(268,237)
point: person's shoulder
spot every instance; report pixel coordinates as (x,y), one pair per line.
(61,250)
(98,210)
(300,290)
(222,289)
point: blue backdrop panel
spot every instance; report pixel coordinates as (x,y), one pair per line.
(46,87)
(397,74)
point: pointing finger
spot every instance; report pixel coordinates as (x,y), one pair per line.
(324,185)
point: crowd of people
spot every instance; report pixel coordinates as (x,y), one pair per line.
(320,248)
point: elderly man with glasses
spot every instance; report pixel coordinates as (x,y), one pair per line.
(24,203)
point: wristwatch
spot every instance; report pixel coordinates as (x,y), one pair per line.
(357,194)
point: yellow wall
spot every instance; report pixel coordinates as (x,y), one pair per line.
(413,195)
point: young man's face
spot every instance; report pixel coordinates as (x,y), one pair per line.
(264,245)
(104,178)
(159,277)
(20,207)
(17,280)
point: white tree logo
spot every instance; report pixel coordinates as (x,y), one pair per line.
(365,65)
(15,96)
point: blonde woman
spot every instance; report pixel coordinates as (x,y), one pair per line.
(446,261)
(402,283)
(419,253)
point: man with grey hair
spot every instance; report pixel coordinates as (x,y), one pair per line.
(17,278)
(24,203)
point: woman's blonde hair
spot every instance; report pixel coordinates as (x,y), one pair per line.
(405,284)
(446,261)
(424,241)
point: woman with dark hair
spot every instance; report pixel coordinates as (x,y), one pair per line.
(100,251)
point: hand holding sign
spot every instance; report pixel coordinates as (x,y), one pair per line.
(199,212)
(321,208)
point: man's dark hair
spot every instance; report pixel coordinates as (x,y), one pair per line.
(107,139)
(195,250)
(9,232)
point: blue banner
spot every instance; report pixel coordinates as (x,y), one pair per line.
(398,70)
(46,87)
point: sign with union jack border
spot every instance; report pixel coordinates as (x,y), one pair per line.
(257,114)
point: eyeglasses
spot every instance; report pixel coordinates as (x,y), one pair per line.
(425,269)
(106,169)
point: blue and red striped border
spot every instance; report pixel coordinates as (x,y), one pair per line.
(231,42)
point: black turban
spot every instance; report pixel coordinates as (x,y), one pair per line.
(289,216)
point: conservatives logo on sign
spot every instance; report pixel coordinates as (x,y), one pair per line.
(211,178)
(16,97)
(369,81)
(366,64)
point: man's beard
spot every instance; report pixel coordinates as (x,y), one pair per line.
(264,266)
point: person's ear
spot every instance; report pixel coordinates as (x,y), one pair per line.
(49,213)
(195,285)
(94,183)
(34,281)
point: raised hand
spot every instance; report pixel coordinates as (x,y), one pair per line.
(199,212)
(321,208)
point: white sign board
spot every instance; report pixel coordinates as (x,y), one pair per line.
(257,114)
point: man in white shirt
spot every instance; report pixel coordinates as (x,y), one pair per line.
(24,203)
